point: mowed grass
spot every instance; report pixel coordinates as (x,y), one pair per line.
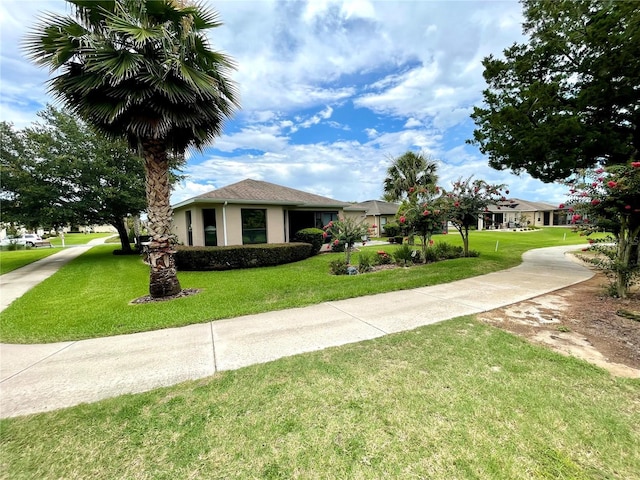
(90,296)
(455,400)
(13,259)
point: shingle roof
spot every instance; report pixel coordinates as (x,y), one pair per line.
(519,205)
(376,207)
(256,191)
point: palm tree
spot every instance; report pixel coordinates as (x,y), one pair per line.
(142,70)
(409,171)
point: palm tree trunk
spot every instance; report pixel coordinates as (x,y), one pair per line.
(163,281)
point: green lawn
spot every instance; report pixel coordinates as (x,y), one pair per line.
(90,296)
(77,238)
(13,259)
(456,400)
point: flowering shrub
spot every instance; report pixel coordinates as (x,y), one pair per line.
(383,258)
(608,199)
(348,231)
(466,201)
(423,214)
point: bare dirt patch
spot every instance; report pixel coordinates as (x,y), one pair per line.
(581,320)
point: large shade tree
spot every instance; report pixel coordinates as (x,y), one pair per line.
(568,98)
(143,70)
(408,173)
(58,171)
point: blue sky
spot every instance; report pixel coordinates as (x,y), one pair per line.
(331,91)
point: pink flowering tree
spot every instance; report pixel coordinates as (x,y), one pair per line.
(348,231)
(467,201)
(423,214)
(608,199)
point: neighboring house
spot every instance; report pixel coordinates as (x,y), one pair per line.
(375,213)
(251,211)
(514,213)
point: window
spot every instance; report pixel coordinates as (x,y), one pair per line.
(210,230)
(189,231)
(254,226)
(323,218)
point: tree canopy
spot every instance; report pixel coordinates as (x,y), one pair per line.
(59,171)
(569,97)
(407,173)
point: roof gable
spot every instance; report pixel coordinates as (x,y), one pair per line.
(256,191)
(377,207)
(519,205)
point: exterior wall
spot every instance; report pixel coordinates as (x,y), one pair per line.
(231,216)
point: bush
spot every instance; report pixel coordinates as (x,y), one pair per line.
(445,251)
(399,239)
(365,261)
(404,254)
(339,267)
(391,229)
(383,258)
(240,256)
(338,247)
(314,236)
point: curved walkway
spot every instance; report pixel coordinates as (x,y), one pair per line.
(38,378)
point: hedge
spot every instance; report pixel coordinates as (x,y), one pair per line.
(314,236)
(240,256)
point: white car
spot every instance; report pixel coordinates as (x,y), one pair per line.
(28,239)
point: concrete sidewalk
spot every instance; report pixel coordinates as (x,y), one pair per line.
(38,378)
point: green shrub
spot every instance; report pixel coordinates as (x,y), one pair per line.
(404,254)
(365,261)
(383,258)
(240,256)
(445,251)
(314,236)
(338,247)
(391,229)
(339,267)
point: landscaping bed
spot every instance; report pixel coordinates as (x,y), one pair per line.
(580,320)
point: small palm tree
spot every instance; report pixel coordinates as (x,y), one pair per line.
(409,171)
(142,70)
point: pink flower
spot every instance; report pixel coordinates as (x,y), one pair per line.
(426,212)
(325,234)
(575,218)
(457,204)
(403,219)
(571,210)
(561,205)
(336,242)
(611,184)
(594,184)
(627,207)
(595,202)
(374,226)
(411,190)
(430,242)
(635,164)
(600,179)
(599,171)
